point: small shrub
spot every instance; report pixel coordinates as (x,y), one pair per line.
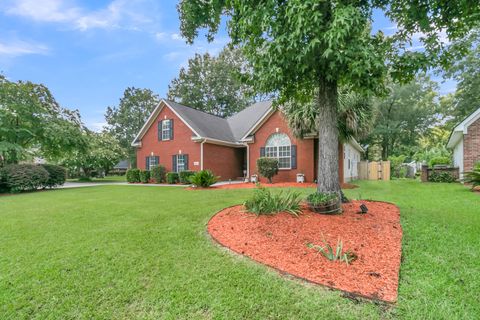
(321,198)
(473,177)
(158,174)
(144,176)
(396,164)
(441,177)
(185,176)
(264,202)
(24,177)
(172,177)
(439,160)
(84,179)
(56,175)
(203,178)
(402,173)
(133,175)
(267,167)
(334,255)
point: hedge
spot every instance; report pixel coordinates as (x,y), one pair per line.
(133,175)
(144,176)
(172,177)
(24,177)
(184,176)
(56,175)
(158,174)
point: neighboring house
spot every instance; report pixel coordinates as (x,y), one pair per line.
(121,167)
(465,143)
(181,138)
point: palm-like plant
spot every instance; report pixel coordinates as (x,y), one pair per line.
(356,115)
(473,177)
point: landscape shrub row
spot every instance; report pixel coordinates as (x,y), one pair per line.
(28,177)
(202,178)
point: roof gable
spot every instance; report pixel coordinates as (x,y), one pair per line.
(462,128)
(205,125)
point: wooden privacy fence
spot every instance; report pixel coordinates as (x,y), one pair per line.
(374,170)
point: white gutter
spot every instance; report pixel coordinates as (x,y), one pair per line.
(201,153)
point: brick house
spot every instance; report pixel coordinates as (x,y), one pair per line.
(465,143)
(182,138)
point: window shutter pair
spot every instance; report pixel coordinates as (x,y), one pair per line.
(159,129)
(262,151)
(147,163)
(174,161)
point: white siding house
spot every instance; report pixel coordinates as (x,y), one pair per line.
(352,154)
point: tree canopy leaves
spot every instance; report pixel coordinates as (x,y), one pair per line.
(32,123)
(213,84)
(126,119)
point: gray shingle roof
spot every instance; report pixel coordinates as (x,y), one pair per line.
(231,129)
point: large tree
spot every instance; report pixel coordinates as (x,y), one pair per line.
(126,119)
(305,48)
(404,115)
(101,153)
(466,72)
(213,84)
(32,123)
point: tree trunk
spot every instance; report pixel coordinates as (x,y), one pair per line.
(328,175)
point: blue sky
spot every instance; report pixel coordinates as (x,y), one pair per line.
(88,52)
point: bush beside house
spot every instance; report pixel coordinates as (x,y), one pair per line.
(203,179)
(158,174)
(267,167)
(133,175)
(172,177)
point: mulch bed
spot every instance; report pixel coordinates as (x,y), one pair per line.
(279,241)
(248,185)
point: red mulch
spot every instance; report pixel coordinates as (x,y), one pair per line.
(248,185)
(279,241)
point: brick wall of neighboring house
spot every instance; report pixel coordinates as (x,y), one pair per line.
(471,146)
(226,162)
(305,150)
(166,149)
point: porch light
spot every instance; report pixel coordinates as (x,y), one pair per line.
(151,153)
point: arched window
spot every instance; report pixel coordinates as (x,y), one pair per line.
(278,146)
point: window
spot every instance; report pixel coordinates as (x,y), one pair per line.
(152,162)
(166,129)
(181,160)
(278,146)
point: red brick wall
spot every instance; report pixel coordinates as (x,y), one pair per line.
(305,150)
(226,162)
(165,149)
(471,146)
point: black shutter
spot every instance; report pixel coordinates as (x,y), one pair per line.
(160,130)
(174,163)
(262,151)
(171,129)
(185,160)
(293,151)
(157,160)
(147,163)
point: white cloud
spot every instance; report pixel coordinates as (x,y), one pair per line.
(119,14)
(96,126)
(19,48)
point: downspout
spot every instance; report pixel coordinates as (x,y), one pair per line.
(248,159)
(201,153)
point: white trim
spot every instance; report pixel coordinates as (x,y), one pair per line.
(248,159)
(201,154)
(137,141)
(259,123)
(219,142)
(355,144)
(462,129)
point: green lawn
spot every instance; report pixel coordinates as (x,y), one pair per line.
(126,252)
(107,179)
